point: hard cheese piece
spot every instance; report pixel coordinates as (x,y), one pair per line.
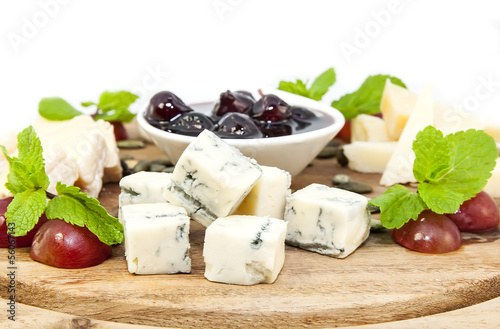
(142,187)
(244,250)
(493,186)
(396,106)
(492,127)
(327,220)
(399,169)
(211,178)
(369,128)
(450,119)
(369,157)
(156,238)
(268,196)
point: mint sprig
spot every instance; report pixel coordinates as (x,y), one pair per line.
(28,182)
(112,106)
(449,169)
(318,88)
(365,100)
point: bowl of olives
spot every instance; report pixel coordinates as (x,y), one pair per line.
(275,128)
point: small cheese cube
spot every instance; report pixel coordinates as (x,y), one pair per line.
(244,250)
(369,128)
(211,178)
(142,187)
(327,220)
(268,196)
(369,157)
(493,186)
(156,238)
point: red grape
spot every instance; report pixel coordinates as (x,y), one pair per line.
(119,130)
(345,133)
(60,244)
(430,233)
(21,241)
(480,213)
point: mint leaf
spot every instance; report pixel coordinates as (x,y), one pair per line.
(87,104)
(113,106)
(57,109)
(322,83)
(472,156)
(432,153)
(298,88)
(123,115)
(27,171)
(365,100)
(398,205)
(76,208)
(25,210)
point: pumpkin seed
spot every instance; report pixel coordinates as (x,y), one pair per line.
(168,169)
(356,187)
(340,179)
(328,152)
(166,162)
(131,144)
(143,165)
(126,157)
(155,167)
(373,209)
(341,158)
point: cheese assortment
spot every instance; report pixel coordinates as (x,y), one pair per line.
(327,220)
(156,238)
(142,187)
(211,178)
(244,250)
(268,196)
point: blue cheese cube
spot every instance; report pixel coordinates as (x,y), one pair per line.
(244,250)
(327,220)
(268,196)
(211,178)
(142,187)
(156,238)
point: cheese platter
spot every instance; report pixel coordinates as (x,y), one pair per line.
(380,282)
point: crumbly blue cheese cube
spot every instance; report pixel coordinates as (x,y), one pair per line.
(142,187)
(156,238)
(327,220)
(244,250)
(211,178)
(268,196)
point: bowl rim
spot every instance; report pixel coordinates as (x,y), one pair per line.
(337,124)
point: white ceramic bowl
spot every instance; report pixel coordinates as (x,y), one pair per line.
(291,153)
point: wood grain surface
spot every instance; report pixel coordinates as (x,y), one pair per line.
(381,282)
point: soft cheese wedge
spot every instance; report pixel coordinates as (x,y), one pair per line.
(211,178)
(268,196)
(244,250)
(369,128)
(142,187)
(327,220)
(369,157)
(156,238)
(399,169)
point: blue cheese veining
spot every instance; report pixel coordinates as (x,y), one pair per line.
(211,178)
(327,220)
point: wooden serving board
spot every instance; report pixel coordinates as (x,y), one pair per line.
(380,282)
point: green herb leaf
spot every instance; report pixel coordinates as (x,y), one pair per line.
(298,88)
(113,106)
(471,159)
(27,171)
(366,100)
(322,83)
(398,205)
(25,210)
(318,88)
(87,104)
(57,109)
(76,208)
(432,155)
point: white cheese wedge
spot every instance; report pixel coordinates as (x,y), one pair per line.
(493,186)
(369,128)
(450,119)
(369,157)
(399,169)
(156,238)
(327,220)
(142,187)
(396,106)
(89,144)
(244,250)
(268,196)
(211,178)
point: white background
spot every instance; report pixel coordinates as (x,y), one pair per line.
(197,49)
